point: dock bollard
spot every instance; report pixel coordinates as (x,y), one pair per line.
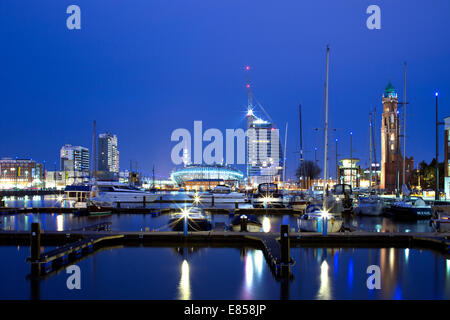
(35,241)
(244,223)
(285,250)
(212,201)
(143,201)
(236,205)
(35,248)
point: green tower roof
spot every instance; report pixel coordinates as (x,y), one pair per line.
(390,91)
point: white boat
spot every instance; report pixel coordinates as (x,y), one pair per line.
(221,194)
(75,196)
(369,206)
(267,195)
(196,219)
(314,220)
(118,192)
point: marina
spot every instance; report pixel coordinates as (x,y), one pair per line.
(239,151)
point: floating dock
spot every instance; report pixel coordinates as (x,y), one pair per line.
(74,244)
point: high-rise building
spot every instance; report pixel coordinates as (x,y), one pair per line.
(74,158)
(108,154)
(264,157)
(391,155)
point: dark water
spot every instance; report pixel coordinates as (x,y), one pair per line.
(231,273)
(223,273)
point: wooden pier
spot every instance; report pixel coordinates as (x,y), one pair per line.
(152,210)
(74,244)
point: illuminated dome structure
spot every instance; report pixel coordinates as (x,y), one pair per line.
(202,175)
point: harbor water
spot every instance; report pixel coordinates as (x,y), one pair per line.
(147,272)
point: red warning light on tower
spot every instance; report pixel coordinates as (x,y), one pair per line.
(247,68)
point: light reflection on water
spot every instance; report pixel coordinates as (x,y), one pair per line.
(185,285)
(232,273)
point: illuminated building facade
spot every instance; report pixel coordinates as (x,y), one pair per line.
(206,175)
(108,153)
(391,155)
(350,172)
(74,158)
(264,157)
(20,173)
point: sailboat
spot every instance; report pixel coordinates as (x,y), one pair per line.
(327,215)
(98,204)
(372,205)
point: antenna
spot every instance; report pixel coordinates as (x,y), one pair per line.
(249,92)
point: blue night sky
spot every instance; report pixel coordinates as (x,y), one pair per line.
(143,68)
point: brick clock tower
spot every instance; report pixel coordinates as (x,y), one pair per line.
(391,154)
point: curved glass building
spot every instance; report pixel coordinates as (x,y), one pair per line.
(189,173)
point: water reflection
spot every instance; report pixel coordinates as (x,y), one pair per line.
(60,222)
(324,290)
(184,287)
(266,224)
(253,270)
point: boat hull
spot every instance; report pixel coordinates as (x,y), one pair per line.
(416,213)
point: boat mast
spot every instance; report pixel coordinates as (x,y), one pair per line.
(325,173)
(284,160)
(95,157)
(404,125)
(370,152)
(301,146)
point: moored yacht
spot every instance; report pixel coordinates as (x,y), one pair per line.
(221,194)
(315,220)
(118,192)
(196,219)
(267,195)
(410,209)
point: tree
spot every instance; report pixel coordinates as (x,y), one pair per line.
(427,175)
(309,170)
